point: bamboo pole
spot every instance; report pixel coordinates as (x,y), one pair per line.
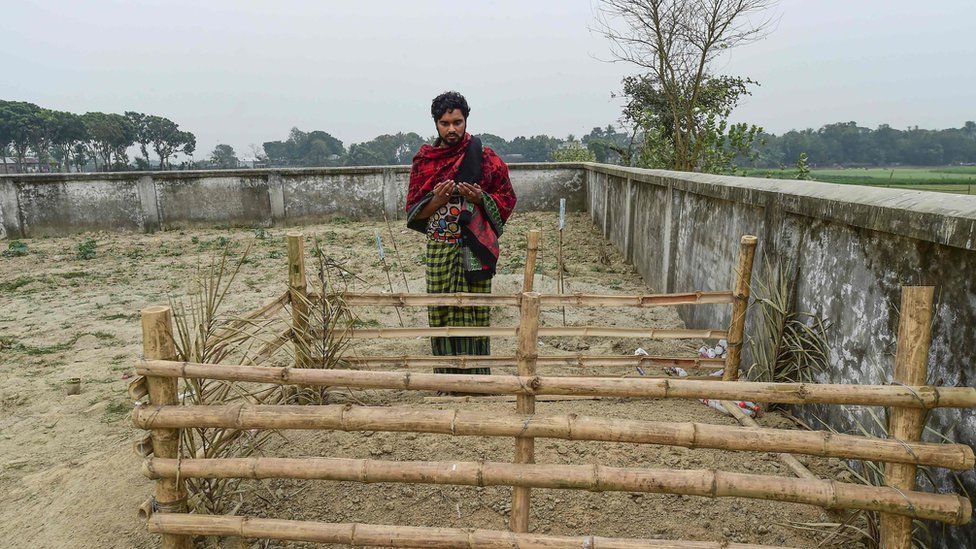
(386,268)
(794,464)
(297,290)
(374,299)
(531,251)
(918,396)
(581,361)
(377,535)
(460,422)
(911,368)
(158,343)
(743,276)
(560,288)
(528,348)
(952,509)
(500,331)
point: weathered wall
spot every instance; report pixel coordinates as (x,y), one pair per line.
(852,249)
(56,204)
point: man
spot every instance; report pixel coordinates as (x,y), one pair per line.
(460,197)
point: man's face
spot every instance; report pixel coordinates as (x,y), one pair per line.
(451,126)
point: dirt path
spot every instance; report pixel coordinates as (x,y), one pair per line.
(68,477)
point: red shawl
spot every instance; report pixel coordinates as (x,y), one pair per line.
(432,165)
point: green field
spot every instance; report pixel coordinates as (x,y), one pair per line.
(947,179)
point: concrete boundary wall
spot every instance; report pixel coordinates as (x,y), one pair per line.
(848,250)
(38,205)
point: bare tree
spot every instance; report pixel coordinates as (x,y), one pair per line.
(676,41)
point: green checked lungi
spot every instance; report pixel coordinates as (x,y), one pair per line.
(445,274)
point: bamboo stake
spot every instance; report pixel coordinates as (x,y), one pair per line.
(512,300)
(919,396)
(559,258)
(531,250)
(528,347)
(911,368)
(376,535)
(794,464)
(581,361)
(501,331)
(396,250)
(743,276)
(386,269)
(158,343)
(951,509)
(461,422)
(298,288)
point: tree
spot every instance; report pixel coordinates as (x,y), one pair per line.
(108,138)
(495,143)
(167,139)
(316,148)
(224,157)
(386,149)
(573,153)
(538,148)
(67,131)
(20,120)
(139,123)
(802,168)
(685,104)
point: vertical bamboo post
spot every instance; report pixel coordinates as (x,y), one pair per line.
(298,295)
(528,347)
(158,344)
(743,276)
(906,424)
(531,250)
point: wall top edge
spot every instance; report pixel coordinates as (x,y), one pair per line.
(943,218)
(260,172)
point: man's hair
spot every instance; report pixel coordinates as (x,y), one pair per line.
(448,101)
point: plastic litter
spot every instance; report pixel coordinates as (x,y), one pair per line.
(749,408)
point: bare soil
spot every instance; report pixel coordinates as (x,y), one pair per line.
(68,476)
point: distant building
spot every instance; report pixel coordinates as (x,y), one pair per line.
(30,165)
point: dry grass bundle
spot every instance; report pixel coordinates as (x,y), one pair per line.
(328,318)
(202,335)
(864,527)
(789,346)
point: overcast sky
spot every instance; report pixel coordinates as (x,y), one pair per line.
(243,72)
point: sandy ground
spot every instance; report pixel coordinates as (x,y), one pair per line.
(68,477)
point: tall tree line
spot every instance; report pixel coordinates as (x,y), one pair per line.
(66,141)
(847,144)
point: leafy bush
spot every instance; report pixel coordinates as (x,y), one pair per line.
(87,249)
(16,248)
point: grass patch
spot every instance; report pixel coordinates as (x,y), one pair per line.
(87,249)
(74,274)
(116,410)
(40,350)
(116,316)
(15,284)
(15,248)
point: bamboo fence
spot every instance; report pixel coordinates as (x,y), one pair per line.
(898,502)
(907,396)
(948,508)
(459,422)
(475,361)
(376,535)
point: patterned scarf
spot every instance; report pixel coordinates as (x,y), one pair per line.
(432,165)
